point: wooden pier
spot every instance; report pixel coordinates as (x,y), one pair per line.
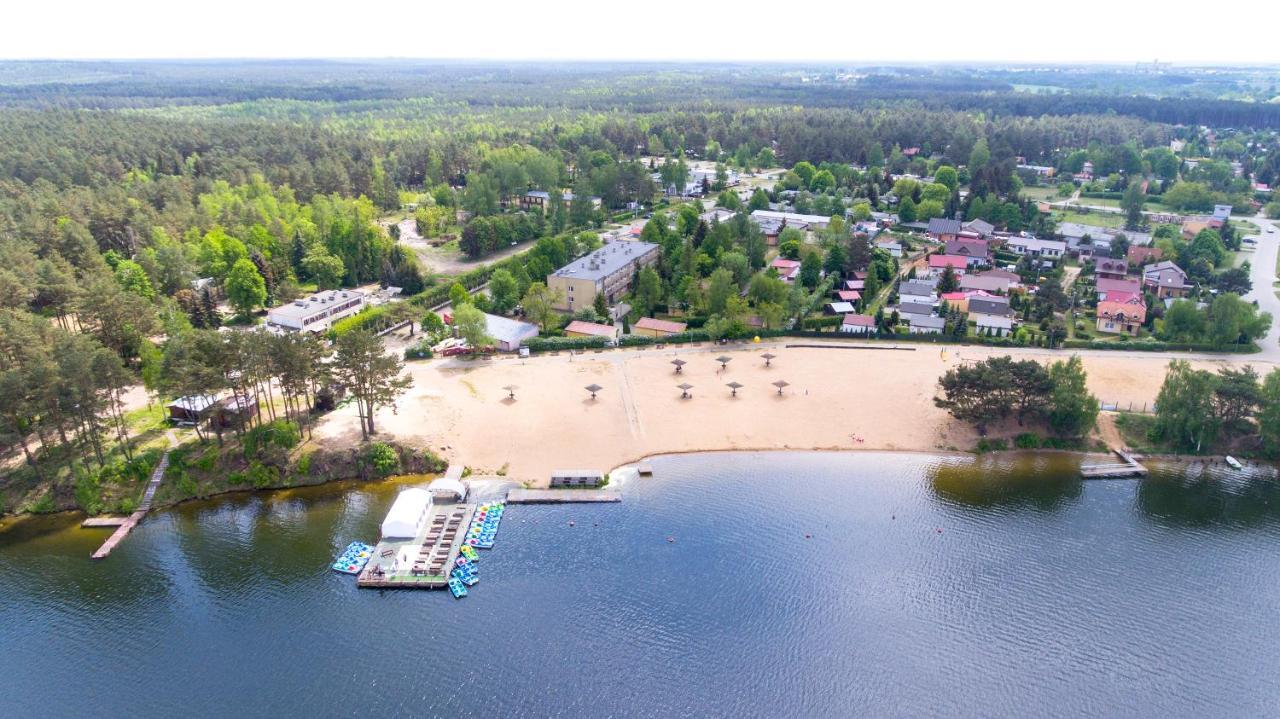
(94,522)
(1128,467)
(123,527)
(562,496)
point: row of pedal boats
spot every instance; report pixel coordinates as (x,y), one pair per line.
(480,535)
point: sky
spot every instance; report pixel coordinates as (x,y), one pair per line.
(1026,31)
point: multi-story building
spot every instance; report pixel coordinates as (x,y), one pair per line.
(606,271)
(317,312)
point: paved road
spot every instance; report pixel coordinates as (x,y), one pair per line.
(1263,274)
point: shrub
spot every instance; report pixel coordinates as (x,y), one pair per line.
(990,445)
(261,475)
(304,464)
(1027,440)
(382,458)
(281,434)
(422,350)
(557,344)
(433,463)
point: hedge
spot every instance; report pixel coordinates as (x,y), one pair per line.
(1154,346)
(555,344)
(814,323)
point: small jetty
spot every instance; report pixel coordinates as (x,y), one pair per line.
(562,496)
(644,469)
(1126,468)
(126,525)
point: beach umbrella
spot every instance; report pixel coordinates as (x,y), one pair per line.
(724,361)
(768,357)
(593,388)
(511,390)
(684,389)
(679,363)
(781,385)
(735,387)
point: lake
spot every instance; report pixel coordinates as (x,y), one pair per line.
(795,584)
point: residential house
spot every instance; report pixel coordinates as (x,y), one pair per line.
(986,283)
(1106,287)
(606,271)
(960,300)
(925,324)
(718,214)
(994,305)
(839,308)
(992,325)
(1014,279)
(1035,247)
(579,328)
(893,248)
(1087,240)
(943,230)
(1111,269)
(792,219)
(1121,313)
(1222,213)
(848,295)
(909,307)
(1166,279)
(651,327)
(788,270)
(858,285)
(858,324)
(917,288)
(979,227)
(976,251)
(1046,171)
(1138,256)
(938,263)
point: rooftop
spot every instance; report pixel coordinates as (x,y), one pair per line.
(650,323)
(505,329)
(308,306)
(591,328)
(605,261)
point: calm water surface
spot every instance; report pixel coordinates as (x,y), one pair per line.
(928,587)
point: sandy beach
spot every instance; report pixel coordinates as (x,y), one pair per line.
(837,398)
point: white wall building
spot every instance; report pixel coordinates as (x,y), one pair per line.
(317,312)
(407,514)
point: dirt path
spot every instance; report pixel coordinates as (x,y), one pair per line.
(1109,432)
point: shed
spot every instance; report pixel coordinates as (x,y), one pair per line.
(192,408)
(577,478)
(507,333)
(407,514)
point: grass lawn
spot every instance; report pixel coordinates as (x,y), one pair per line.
(1041,194)
(1101,219)
(1245,227)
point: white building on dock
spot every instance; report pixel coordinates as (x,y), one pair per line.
(407,514)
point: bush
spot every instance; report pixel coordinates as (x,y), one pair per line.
(1027,440)
(382,458)
(636,341)
(304,464)
(990,445)
(281,434)
(420,351)
(261,475)
(815,323)
(433,463)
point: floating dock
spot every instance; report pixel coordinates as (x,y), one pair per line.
(1126,468)
(562,496)
(441,537)
(644,469)
(93,522)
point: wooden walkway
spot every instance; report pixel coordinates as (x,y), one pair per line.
(144,506)
(560,496)
(1128,467)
